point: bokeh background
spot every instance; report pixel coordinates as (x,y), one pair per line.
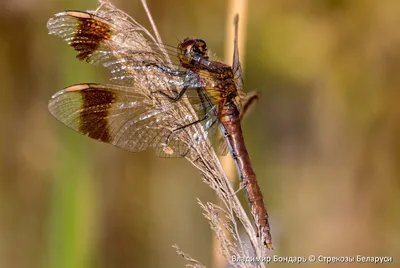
(324,139)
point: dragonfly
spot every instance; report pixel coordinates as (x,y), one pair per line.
(149,84)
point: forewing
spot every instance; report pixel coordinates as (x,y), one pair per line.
(118,45)
(111,38)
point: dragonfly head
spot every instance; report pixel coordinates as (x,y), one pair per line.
(191,50)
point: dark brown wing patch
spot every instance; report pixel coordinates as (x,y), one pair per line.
(94,112)
(89,34)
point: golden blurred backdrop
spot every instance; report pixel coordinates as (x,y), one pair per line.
(324,139)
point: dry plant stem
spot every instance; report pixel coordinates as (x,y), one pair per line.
(193,263)
(155,30)
(221,184)
(238,9)
(234,7)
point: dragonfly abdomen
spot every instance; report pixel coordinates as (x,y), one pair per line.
(230,119)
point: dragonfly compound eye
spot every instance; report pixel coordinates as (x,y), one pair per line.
(194,47)
(199,48)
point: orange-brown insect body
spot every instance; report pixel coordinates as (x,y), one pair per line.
(219,84)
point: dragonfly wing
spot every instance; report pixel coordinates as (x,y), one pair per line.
(117,116)
(111,38)
(120,116)
(137,63)
(236,66)
(223,146)
(248,102)
(118,45)
(201,129)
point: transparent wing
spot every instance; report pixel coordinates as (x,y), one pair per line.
(237,67)
(130,57)
(131,121)
(113,39)
(141,67)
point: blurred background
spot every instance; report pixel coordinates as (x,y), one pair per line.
(324,139)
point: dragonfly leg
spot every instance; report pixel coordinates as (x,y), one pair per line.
(185,153)
(248,101)
(177,97)
(242,186)
(185,126)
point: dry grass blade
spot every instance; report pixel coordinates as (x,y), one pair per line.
(193,263)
